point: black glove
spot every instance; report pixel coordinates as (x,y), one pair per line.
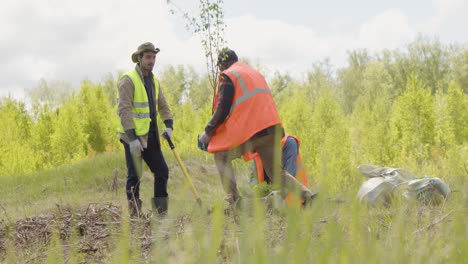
(201,145)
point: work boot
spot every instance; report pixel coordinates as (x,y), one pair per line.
(160,205)
(134,208)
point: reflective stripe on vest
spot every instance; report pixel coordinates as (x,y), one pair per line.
(252,109)
(246,93)
(140,106)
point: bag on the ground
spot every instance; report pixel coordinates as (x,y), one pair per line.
(427,190)
(383,181)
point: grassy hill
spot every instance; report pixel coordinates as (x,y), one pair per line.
(77,214)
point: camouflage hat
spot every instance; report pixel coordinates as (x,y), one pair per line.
(147,46)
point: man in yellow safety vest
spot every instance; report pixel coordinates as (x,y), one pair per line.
(140,99)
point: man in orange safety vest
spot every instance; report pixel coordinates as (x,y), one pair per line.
(244,119)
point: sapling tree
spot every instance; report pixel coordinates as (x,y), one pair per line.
(209,26)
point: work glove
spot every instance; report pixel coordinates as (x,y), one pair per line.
(201,145)
(168,130)
(204,138)
(136,147)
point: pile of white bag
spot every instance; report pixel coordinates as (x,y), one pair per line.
(384,181)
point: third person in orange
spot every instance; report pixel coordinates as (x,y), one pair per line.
(291,161)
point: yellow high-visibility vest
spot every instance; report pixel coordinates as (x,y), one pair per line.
(140,108)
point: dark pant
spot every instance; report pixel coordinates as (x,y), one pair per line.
(154,158)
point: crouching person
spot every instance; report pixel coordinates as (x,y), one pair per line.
(291,162)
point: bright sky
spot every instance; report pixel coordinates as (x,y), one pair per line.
(68,40)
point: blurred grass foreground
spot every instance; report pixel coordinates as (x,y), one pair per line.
(77,214)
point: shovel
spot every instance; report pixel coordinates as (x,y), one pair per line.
(182,167)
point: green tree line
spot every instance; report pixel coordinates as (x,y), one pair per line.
(401,108)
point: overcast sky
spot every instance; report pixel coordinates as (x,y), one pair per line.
(68,40)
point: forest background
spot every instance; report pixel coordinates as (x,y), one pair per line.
(399,108)
(60,159)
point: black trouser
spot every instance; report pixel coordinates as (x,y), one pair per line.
(154,158)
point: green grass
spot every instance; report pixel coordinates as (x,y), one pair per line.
(75,184)
(328,231)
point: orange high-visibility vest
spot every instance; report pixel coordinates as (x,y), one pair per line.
(301,175)
(252,110)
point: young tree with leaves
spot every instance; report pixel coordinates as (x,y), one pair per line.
(413,122)
(16,155)
(209,26)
